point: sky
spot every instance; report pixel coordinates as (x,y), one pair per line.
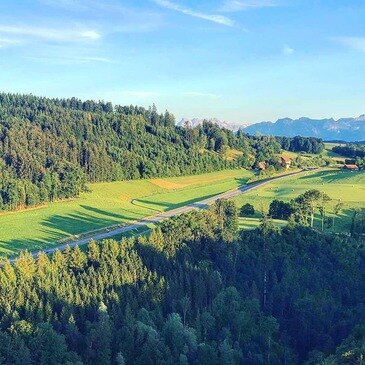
(237,60)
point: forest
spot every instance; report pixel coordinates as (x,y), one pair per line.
(51,148)
(195,291)
(301,144)
(356,153)
(350,150)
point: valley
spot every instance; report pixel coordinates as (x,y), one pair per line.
(108,207)
(108,204)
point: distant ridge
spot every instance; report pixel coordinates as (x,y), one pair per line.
(344,129)
(194,122)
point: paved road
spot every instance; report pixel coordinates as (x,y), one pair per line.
(161,216)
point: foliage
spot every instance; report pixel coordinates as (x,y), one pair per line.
(302,144)
(109,204)
(280,210)
(342,186)
(186,295)
(355,151)
(358,222)
(247,210)
(306,204)
(350,150)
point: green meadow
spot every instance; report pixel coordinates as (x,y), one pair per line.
(117,203)
(327,152)
(106,205)
(349,187)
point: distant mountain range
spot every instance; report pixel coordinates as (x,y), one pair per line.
(344,129)
(197,121)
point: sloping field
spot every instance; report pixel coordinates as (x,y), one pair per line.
(108,204)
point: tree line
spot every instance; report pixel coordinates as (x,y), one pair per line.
(195,291)
(50,148)
(356,153)
(302,144)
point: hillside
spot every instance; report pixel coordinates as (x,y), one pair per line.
(51,148)
(344,129)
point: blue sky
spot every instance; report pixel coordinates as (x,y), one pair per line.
(238,60)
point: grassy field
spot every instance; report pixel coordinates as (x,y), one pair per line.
(349,187)
(108,204)
(120,202)
(327,152)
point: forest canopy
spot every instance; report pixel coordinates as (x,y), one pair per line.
(196,291)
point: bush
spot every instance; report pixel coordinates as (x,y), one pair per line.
(247,210)
(280,210)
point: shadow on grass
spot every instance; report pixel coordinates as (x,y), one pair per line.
(58,227)
(241,182)
(330,176)
(165,206)
(102,212)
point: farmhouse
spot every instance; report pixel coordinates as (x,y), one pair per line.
(285,161)
(350,167)
(262,165)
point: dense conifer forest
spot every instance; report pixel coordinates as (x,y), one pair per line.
(196,291)
(50,148)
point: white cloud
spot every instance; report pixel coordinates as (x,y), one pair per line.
(51,33)
(219,19)
(199,94)
(90,34)
(70,60)
(8,42)
(240,5)
(287,50)
(356,43)
(117,17)
(96,59)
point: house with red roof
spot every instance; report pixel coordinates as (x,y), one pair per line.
(285,161)
(351,167)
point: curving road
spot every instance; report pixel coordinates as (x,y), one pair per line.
(203,204)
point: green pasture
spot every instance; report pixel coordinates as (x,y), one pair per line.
(254,222)
(116,203)
(108,204)
(327,152)
(349,187)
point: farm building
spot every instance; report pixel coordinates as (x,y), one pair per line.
(285,161)
(350,167)
(262,165)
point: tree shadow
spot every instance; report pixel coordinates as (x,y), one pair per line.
(102,212)
(330,176)
(58,227)
(166,206)
(241,181)
(81,222)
